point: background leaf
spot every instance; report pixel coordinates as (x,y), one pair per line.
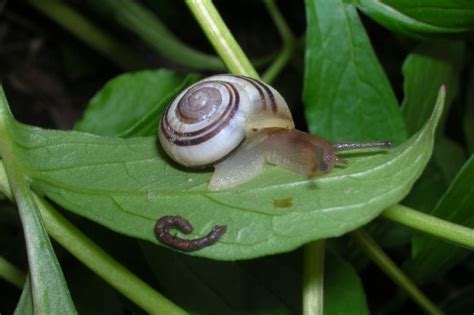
(25,305)
(458,13)
(204,286)
(460,302)
(125,185)
(435,25)
(429,66)
(131,104)
(346,93)
(430,256)
(343,291)
(469,112)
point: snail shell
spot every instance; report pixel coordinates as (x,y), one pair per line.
(238,124)
(211,118)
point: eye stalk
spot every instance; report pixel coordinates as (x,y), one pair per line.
(345,146)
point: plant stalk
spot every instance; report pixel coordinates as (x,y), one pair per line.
(11,273)
(94,257)
(445,230)
(287,37)
(378,256)
(221,38)
(313,278)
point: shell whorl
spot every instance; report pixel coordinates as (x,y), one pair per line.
(209,119)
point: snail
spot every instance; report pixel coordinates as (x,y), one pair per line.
(238,124)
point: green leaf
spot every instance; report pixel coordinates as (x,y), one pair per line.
(204,286)
(126,185)
(431,256)
(469,127)
(401,22)
(343,290)
(346,93)
(131,104)
(469,114)
(429,66)
(142,21)
(448,158)
(451,14)
(50,292)
(25,305)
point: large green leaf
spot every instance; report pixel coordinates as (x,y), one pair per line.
(431,256)
(346,93)
(421,18)
(126,185)
(131,104)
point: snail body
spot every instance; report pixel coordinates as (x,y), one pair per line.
(238,124)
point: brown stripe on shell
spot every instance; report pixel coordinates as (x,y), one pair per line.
(263,99)
(220,123)
(264,86)
(270,95)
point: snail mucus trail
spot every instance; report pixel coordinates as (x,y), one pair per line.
(238,124)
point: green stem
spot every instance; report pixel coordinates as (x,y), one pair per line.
(313,278)
(49,289)
(378,256)
(221,38)
(434,226)
(91,255)
(100,262)
(288,39)
(103,264)
(102,42)
(145,24)
(11,273)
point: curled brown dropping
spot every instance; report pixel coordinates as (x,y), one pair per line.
(166,223)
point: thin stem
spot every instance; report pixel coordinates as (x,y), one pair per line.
(11,273)
(313,278)
(445,230)
(94,257)
(288,39)
(146,24)
(221,38)
(378,256)
(89,33)
(103,264)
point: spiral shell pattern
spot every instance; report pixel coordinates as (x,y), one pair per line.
(212,117)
